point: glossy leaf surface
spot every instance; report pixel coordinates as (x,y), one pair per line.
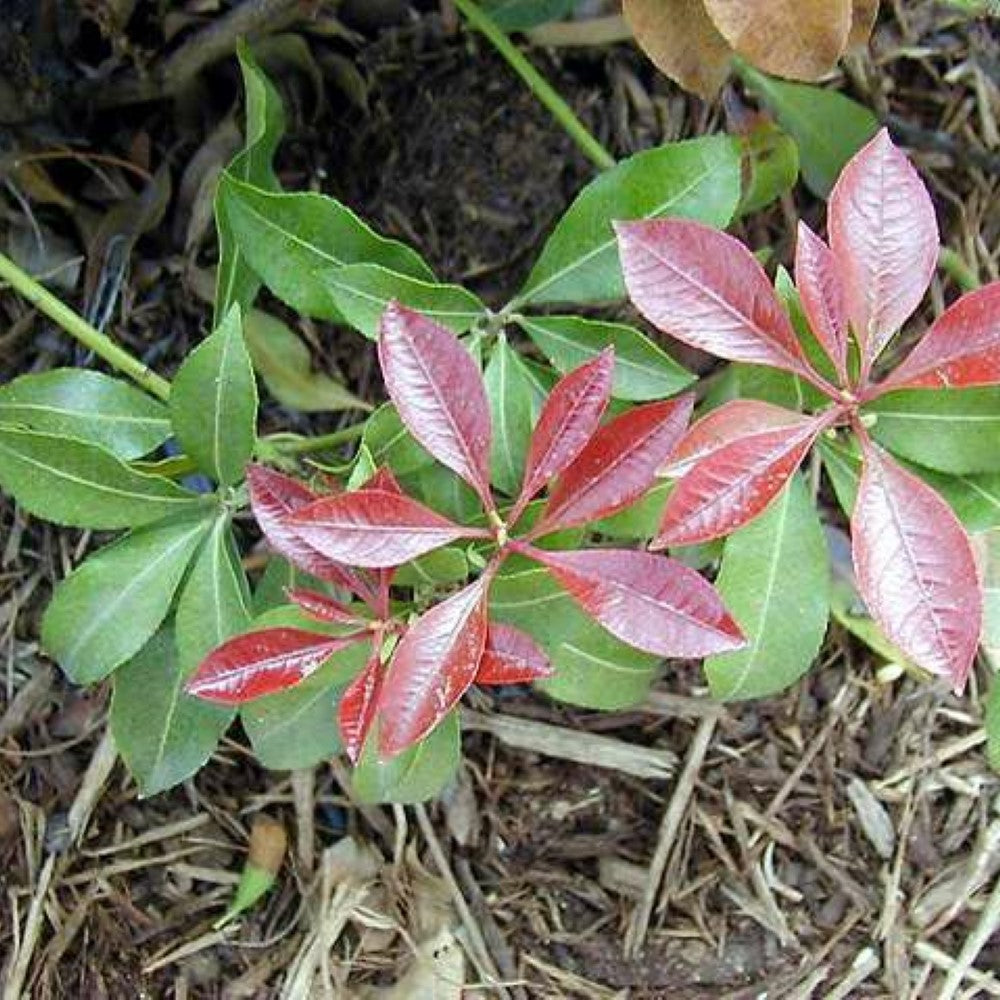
(106,610)
(568,420)
(213,403)
(82,485)
(163,734)
(390,443)
(916,569)
(434,663)
(373,528)
(88,406)
(262,662)
(705,288)
(358,703)
(651,602)
(822,295)
(962,347)
(643,371)
(511,657)
(718,428)
(695,179)
(775,580)
(323,608)
(884,236)
(619,463)
(439,393)
(734,484)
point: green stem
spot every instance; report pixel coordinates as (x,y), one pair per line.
(323,442)
(958,270)
(540,87)
(76,326)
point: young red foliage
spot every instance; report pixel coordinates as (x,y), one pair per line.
(618,465)
(914,561)
(358,705)
(651,602)
(434,664)
(916,568)
(439,394)
(323,608)
(511,657)
(568,420)
(374,528)
(265,662)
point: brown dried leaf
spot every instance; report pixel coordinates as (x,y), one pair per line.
(800,39)
(681,40)
(863,16)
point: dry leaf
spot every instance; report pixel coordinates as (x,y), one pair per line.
(800,39)
(862,21)
(680,39)
(437,973)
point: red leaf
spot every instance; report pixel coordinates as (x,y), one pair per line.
(618,465)
(259,663)
(915,568)
(273,496)
(734,484)
(885,240)
(823,300)
(568,419)
(961,349)
(705,288)
(374,528)
(651,602)
(434,664)
(511,657)
(323,608)
(383,479)
(439,393)
(732,420)
(356,711)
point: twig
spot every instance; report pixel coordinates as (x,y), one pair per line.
(987,923)
(304,794)
(32,929)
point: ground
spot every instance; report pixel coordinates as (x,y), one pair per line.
(841,841)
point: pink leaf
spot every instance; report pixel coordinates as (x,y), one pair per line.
(568,419)
(885,240)
(915,568)
(434,664)
(323,608)
(511,657)
(732,420)
(618,465)
(374,528)
(823,300)
(961,349)
(706,289)
(651,602)
(356,711)
(265,662)
(734,484)
(439,393)
(273,496)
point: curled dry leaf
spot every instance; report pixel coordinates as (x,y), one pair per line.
(682,41)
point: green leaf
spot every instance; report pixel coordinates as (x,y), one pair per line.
(789,296)
(389,443)
(643,370)
(79,484)
(106,610)
(283,361)
(521,15)
(447,565)
(696,179)
(88,406)
(828,127)
(163,734)
(951,430)
(236,282)
(213,403)
(641,520)
(740,381)
(415,775)
(514,406)
(292,241)
(360,293)
(775,580)
(843,466)
(988,549)
(771,166)
(592,667)
(298,727)
(214,603)
(444,492)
